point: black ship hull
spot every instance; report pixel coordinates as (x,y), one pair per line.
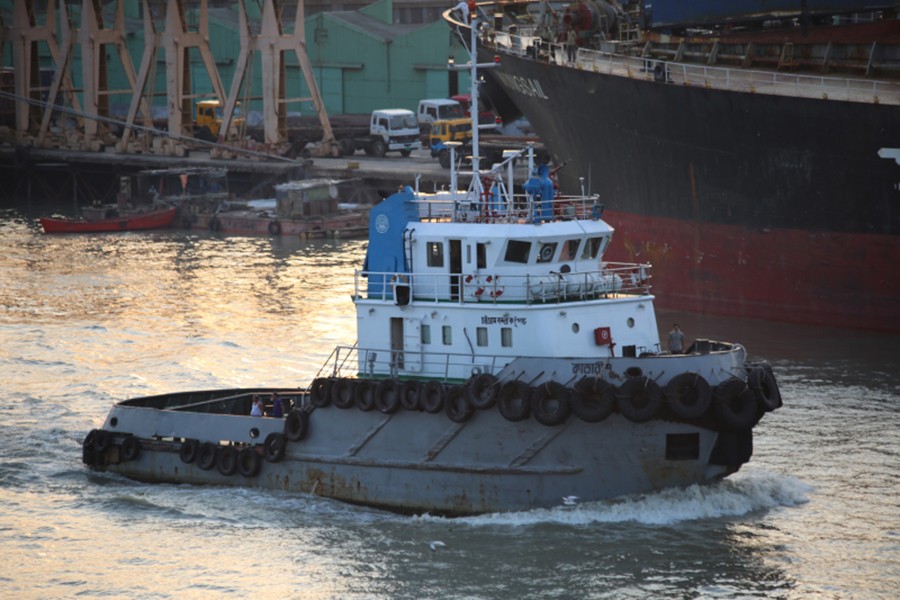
(752,204)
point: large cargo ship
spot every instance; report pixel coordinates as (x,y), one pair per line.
(753,155)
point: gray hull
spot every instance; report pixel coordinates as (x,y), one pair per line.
(416,462)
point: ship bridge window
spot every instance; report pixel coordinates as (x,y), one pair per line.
(435,252)
(481,336)
(592,248)
(481,255)
(506,337)
(517,251)
(569,250)
(546,252)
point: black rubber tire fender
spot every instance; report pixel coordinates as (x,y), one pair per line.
(593,399)
(761,380)
(431,398)
(274,228)
(249,462)
(409,395)
(131,448)
(735,405)
(296,425)
(387,396)
(364,395)
(320,391)
(207,455)
(188,451)
(274,447)
(481,391)
(227,462)
(688,395)
(102,440)
(342,392)
(550,403)
(457,406)
(639,399)
(514,400)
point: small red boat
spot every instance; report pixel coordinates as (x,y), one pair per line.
(131,222)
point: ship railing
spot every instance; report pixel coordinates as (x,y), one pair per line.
(375,363)
(758,81)
(509,208)
(615,280)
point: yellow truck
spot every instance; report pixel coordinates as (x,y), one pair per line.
(208,119)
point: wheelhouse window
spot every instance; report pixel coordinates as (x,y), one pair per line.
(435,252)
(546,252)
(592,247)
(569,250)
(481,255)
(481,336)
(517,251)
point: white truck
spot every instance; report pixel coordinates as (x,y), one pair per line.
(437,109)
(390,130)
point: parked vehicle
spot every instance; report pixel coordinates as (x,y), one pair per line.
(436,109)
(390,130)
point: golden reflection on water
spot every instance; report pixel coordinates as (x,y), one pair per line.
(231,310)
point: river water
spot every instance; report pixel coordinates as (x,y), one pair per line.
(87,320)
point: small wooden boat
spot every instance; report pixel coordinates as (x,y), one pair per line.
(131,222)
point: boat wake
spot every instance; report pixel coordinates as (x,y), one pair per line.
(734,497)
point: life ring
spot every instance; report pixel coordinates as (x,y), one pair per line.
(431,398)
(688,395)
(364,395)
(131,448)
(457,406)
(188,451)
(514,400)
(320,392)
(761,380)
(296,425)
(274,228)
(342,392)
(735,405)
(481,391)
(275,446)
(550,403)
(215,225)
(639,399)
(228,460)
(387,396)
(593,399)
(409,395)
(249,462)
(206,456)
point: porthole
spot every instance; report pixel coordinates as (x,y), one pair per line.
(575,328)
(254,433)
(630,322)
(114,421)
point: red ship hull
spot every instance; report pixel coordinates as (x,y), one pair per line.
(806,277)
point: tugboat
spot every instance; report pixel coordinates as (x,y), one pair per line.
(501,364)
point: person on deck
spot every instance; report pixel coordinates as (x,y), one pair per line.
(676,340)
(258,408)
(277,406)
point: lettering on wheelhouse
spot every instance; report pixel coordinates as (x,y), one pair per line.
(514,321)
(524,85)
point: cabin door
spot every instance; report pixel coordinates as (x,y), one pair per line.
(406,345)
(455,267)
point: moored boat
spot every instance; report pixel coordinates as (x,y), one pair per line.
(501,363)
(743,147)
(132,221)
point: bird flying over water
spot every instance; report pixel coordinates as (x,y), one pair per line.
(570,500)
(436,544)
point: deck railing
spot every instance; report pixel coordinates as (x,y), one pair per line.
(727,78)
(614,280)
